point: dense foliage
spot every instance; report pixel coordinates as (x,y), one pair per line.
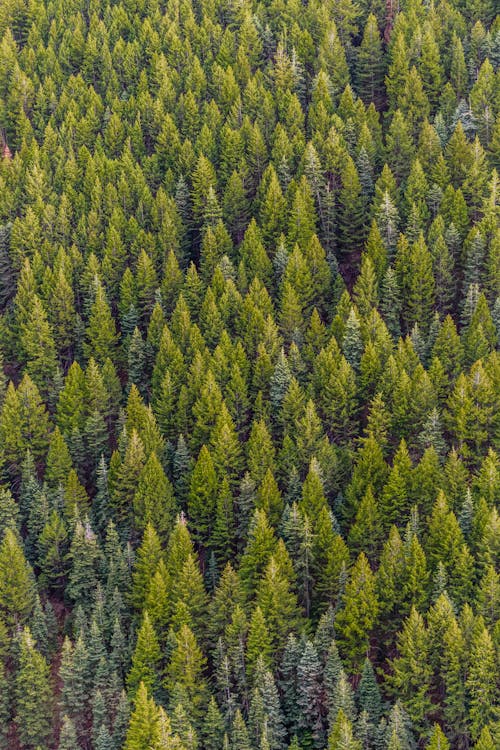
(250,379)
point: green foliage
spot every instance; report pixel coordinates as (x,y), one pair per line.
(33,694)
(17,591)
(249,328)
(355,621)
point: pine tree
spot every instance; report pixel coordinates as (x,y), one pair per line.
(124,478)
(277,601)
(258,643)
(101,332)
(260,546)
(38,343)
(222,539)
(365,534)
(351,219)
(239,733)
(23,424)
(4,708)
(430,68)
(228,594)
(288,683)
(188,591)
(485,740)
(265,715)
(341,698)
(352,344)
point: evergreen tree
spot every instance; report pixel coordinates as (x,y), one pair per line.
(368,695)
(370,65)
(260,546)
(85,555)
(213,727)
(480,684)
(144,722)
(17,592)
(358,616)
(410,680)
(33,694)
(341,735)
(146,561)
(145,660)
(67,736)
(184,674)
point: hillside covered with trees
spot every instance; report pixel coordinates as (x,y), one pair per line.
(250,374)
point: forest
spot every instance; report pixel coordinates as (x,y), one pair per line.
(249,375)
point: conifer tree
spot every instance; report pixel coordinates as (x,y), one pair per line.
(146,561)
(154,498)
(341,736)
(359,613)
(17,592)
(85,556)
(184,674)
(260,546)
(67,737)
(278,602)
(213,727)
(368,695)
(239,733)
(370,64)
(145,660)
(144,722)
(480,684)
(485,741)
(309,694)
(411,672)
(101,332)
(33,694)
